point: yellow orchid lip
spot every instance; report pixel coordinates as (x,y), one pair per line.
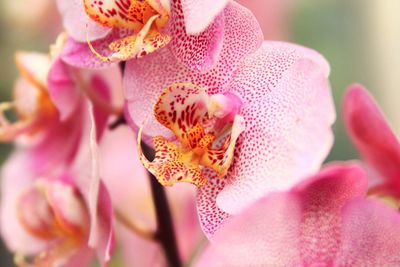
(201,140)
(146,19)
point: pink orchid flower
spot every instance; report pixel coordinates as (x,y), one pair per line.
(374,139)
(324,221)
(125,29)
(56,139)
(262,116)
(49,98)
(128,183)
(57,218)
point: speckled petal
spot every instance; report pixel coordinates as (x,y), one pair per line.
(210,215)
(297,228)
(145,78)
(371,133)
(198,52)
(369,235)
(75,21)
(199,14)
(289,111)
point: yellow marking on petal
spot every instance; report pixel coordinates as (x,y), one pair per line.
(184,109)
(136,45)
(171,163)
(112,13)
(180,108)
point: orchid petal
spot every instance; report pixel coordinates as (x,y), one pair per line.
(197,52)
(371,133)
(288,110)
(62,89)
(14,181)
(300,227)
(145,78)
(112,14)
(75,19)
(199,14)
(369,237)
(210,215)
(34,67)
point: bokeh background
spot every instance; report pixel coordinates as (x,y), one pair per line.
(360,39)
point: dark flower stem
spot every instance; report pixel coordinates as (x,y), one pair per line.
(165,233)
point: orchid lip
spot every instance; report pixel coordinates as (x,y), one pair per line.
(146,19)
(206,127)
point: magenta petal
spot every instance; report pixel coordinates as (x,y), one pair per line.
(199,14)
(371,133)
(298,228)
(370,235)
(79,55)
(323,197)
(289,111)
(146,77)
(75,21)
(62,89)
(200,52)
(266,234)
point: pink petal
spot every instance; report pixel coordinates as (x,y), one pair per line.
(199,14)
(16,178)
(77,23)
(266,234)
(79,55)
(47,152)
(369,235)
(323,197)
(199,52)
(371,133)
(87,177)
(289,111)
(210,215)
(62,89)
(145,78)
(297,228)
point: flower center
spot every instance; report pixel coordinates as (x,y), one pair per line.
(144,20)
(53,211)
(206,128)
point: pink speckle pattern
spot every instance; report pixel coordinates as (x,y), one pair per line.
(288,110)
(211,217)
(145,78)
(198,52)
(287,107)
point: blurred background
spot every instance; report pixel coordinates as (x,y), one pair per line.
(360,39)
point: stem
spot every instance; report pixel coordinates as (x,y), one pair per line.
(165,233)
(165,229)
